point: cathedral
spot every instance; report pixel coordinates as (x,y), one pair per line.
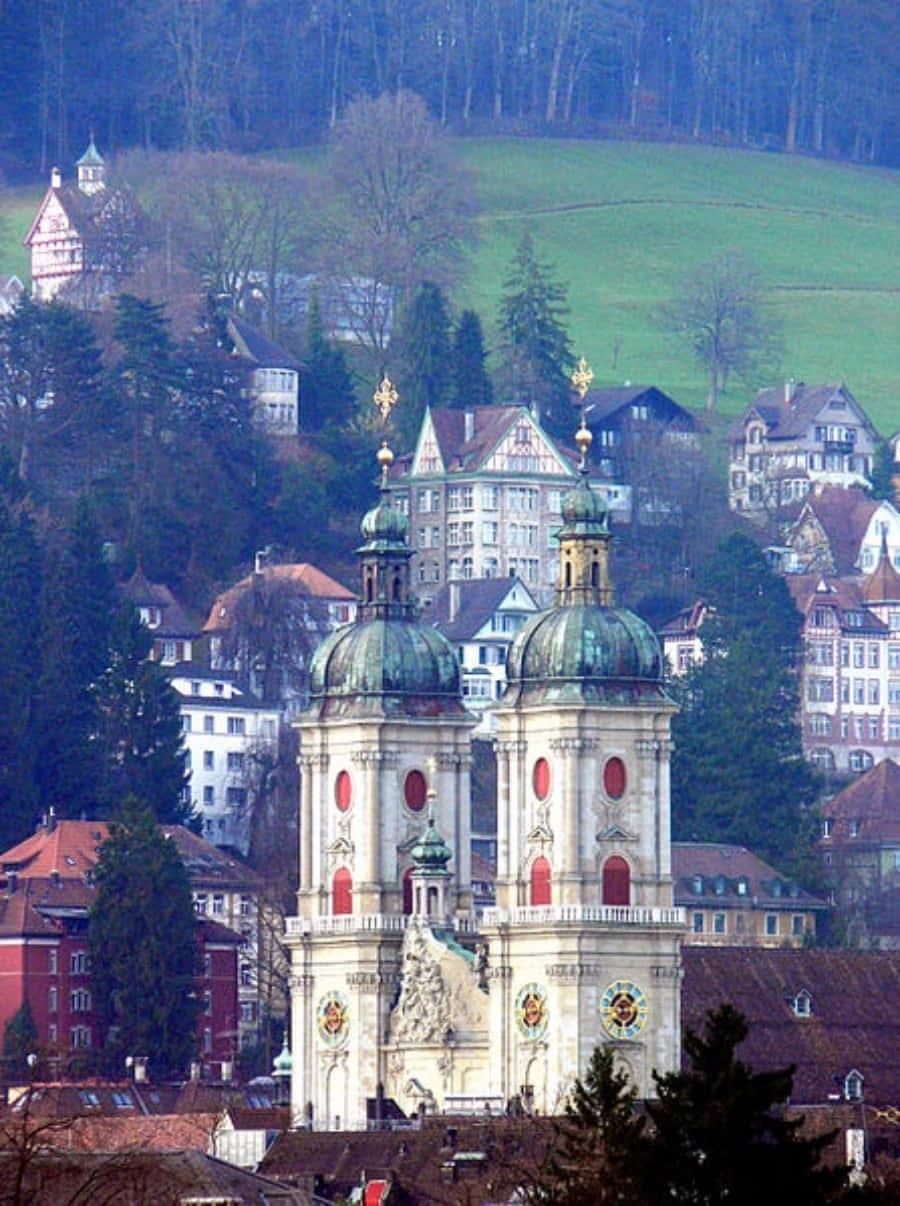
(399,997)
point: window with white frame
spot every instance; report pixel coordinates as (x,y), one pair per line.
(771,925)
(237,726)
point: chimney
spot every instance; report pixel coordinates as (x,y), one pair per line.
(54,877)
(55,178)
(140,1069)
(51,820)
(469,425)
(789,389)
(453,588)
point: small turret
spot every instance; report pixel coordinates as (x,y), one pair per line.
(91,170)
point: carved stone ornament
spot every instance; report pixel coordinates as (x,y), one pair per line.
(422,1014)
(396,1062)
(340,853)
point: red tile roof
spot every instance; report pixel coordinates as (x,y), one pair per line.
(307,579)
(720,864)
(853,1023)
(843,515)
(872,803)
(70,847)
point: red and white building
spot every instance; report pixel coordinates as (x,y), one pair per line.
(46,892)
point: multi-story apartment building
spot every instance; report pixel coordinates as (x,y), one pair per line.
(789,438)
(483,492)
(850,691)
(46,892)
(230,738)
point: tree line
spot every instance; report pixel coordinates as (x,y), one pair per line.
(802,75)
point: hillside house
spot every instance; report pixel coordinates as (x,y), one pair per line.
(860,846)
(174,632)
(480,617)
(617,415)
(46,893)
(840,532)
(271,378)
(680,638)
(790,438)
(483,492)
(734,898)
(84,238)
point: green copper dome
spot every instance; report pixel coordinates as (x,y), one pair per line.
(431,854)
(384,526)
(385,667)
(585,653)
(584,511)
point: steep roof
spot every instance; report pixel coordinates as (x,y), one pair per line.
(478,598)
(489,425)
(606,403)
(208,865)
(722,866)
(883,584)
(174,620)
(69,847)
(789,419)
(688,621)
(872,802)
(844,516)
(252,345)
(853,1021)
(307,579)
(841,593)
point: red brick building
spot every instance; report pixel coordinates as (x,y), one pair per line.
(46,892)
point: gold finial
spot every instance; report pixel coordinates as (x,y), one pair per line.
(583,439)
(385,398)
(385,459)
(582,377)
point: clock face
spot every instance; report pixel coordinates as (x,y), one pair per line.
(623,1010)
(531,1011)
(332,1019)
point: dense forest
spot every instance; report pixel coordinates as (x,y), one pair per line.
(800,75)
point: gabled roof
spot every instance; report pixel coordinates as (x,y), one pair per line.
(724,866)
(174,621)
(252,345)
(883,584)
(688,621)
(28,911)
(479,598)
(873,802)
(208,865)
(489,425)
(82,209)
(844,516)
(853,1020)
(787,420)
(604,405)
(808,590)
(307,579)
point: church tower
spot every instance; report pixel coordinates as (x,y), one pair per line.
(384,735)
(91,169)
(584,940)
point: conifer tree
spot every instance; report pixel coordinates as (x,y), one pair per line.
(20,589)
(139,727)
(471,383)
(143,942)
(720,1134)
(534,344)
(424,376)
(20,1037)
(328,401)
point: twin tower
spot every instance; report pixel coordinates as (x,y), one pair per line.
(397,992)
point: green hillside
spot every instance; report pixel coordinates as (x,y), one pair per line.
(622,222)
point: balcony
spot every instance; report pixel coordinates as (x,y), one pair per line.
(355,923)
(605,915)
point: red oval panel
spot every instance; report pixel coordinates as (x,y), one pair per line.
(343,791)
(415,790)
(614,778)
(541,778)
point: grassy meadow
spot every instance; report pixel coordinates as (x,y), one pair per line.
(622,222)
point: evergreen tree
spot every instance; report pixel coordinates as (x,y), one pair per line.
(599,1147)
(139,727)
(20,588)
(328,400)
(534,345)
(738,771)
(143,940)
(424,376)
(881,479)
(471,383)
(77,607)
(719,1132)
(20,1037)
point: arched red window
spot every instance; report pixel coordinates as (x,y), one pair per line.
(343,791)
(540,778)
(415,790)
(616,882)
(541,891)
(407,891)
(614,778)
(342,892)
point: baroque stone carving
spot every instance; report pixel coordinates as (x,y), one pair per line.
(573,745)
(422,1014)
(373,757)
(572,973)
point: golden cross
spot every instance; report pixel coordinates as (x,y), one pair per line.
(582,377)
(385,398)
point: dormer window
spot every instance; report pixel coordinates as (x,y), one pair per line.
(827,826)
(720,885)
(742,886)
(853,1085)
(776,887)
(854,828)
(697,884)
(802,1004)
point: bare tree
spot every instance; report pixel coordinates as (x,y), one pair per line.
(720,311)
(397,209)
